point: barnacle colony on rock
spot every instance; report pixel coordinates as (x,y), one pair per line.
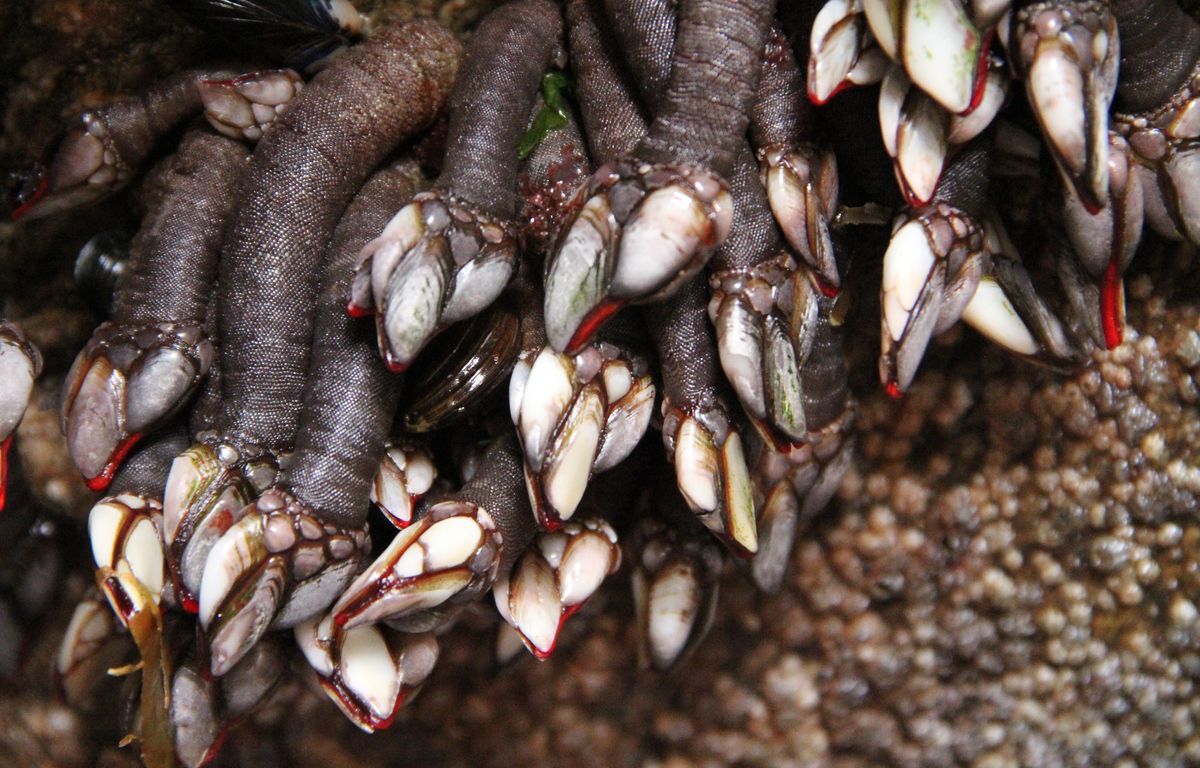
(714,204)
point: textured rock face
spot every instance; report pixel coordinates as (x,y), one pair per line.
(1011,576)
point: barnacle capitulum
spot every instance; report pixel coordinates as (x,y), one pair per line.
(103,149)
(127,549)
(406,473)
(20,364)
(1007,309)
(277,566)
(143,366)
(942,49)
(447,556)
(841,50)
(1166,162)
(642,231)
(930,271)
(802,189)
(554,578)
(244,107)
(128,381)
(207,490)
(91,645)
(795,485)
(711,472)
(449,254)
(1103,242)
(915,132)
(577,415)
(438,261)
(675,587)
(764,321)
(368,671)
(1068,53)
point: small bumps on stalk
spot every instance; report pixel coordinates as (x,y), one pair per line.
(711,473)
(575,416)
(245,107)
(275,567)
(676,580)
(932,265)
(1068,53)
(639,232)
(446,558)
(554,578)
(128,381)
(368,671)
(438,261)
(406,472)
(20,364)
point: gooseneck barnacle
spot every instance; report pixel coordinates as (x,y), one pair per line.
(589,223)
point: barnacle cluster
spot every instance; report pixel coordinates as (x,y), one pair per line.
(1007,575)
